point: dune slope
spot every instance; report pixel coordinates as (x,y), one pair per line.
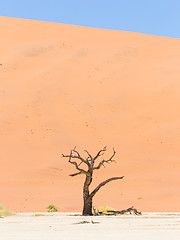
(63,86)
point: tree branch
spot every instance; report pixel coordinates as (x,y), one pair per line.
(88,154)
(100,153)
(106,161)
(78,156)
(71,155)
(75,174)
(104,183)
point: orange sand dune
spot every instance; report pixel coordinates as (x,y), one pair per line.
(63,85)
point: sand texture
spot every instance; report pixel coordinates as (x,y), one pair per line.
(63,86)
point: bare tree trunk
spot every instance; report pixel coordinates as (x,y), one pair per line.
(87,208)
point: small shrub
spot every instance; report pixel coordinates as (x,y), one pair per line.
(52,208)
(103,210)
(4,211)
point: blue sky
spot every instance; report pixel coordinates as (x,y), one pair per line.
(157,17)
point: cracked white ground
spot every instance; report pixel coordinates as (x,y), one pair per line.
(65,226)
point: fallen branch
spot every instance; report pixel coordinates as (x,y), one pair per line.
(130,210)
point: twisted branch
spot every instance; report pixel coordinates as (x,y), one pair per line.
(89,161)
(103,183)
(105,161)
(70,156)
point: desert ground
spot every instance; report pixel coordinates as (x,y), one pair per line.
(149,226)
(63,86)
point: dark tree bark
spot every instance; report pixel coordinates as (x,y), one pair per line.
(89,163)
(87,208)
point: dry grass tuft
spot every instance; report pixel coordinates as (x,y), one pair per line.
(104,210)
(39,215)
(4,211)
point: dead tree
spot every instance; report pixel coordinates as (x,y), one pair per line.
(89,165)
